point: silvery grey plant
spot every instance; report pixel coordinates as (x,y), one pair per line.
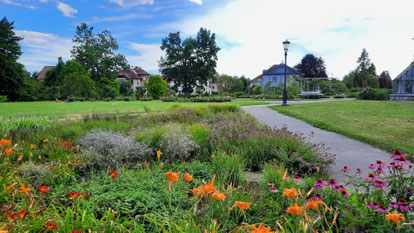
(178,144)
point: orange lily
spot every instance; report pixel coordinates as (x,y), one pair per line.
(290,193)
(51,226)
(395,217)
(21,214)
(294,210)
(205,189)
(260,229)
(313,204)
(5,142)
(145,164)
(8,151)
(159,153)
(188,177)
(172,176)
(23,189)
(218,196)
(43,189)
(241,204)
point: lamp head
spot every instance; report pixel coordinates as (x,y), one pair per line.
(286,44)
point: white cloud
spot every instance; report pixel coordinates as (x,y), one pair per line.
(43,49)
(131,3)
(200,2)
(67,10)
(148,56)
(335,30)
(10,2)
(119,18)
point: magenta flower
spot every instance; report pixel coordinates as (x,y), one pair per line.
(358,171)
(371,177)
(318,186)
(337,188)
(380,164)
(369,205)
(296,179)
(344,193)
(390,165)
(400,168)
(401,201)
(397,154)
(404,207)
(379,171)
(345,169)
(332,182)
(271,183)
(402,160)
(319,182)
(273,189)
(372,166)
(317,196)
(393,205)
(380,183)
(382,209)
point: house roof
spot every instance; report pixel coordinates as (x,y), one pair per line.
(410,67)
(256,79)
(42,73)
(132,73)
(280,70)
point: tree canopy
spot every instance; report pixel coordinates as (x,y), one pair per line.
(12,73)
(312,66)
(156,86)
(191,62)
(97,52)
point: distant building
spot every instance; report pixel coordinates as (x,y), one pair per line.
(137,75)
(42,75)
(403,85)
(275,75)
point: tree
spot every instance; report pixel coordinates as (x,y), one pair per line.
(191,62)
(11,72)
(77,81)
(125,88)
(385,80)
(107,88)
(156,86)
(312,66)
(53,77)
(229,84)
(97,52)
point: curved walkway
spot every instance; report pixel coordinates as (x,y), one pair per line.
(348,151)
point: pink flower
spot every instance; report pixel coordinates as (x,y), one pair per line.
(344,193)
(371,177)
(380,164)
(379,171)
(345,169)
(358,171)
(270,183)
(332,182)
(402,160)
(318,187)
(393,205)
(318,196)
(273,189)
(404,207)
(380,183)
(382,209)
(319,182)
(372,166)
(296,179)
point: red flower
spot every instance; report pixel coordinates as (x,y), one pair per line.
(43,189)
(51,226)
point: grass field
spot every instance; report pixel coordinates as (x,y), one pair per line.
(51,108)
(386,125)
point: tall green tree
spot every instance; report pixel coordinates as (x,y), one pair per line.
(96,52)
(77,81)
(156,86)
(191,62)
(385,80)
(312,66)
(12,73)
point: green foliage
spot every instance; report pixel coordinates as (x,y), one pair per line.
(139,92)
(125,88)
(107,88)
(255,89)
(228,169)
(33,90)
(156,86)
(96,52)
(11,72)
(3,98)
(229,84)
(191,62)
(76,81)
(374,94)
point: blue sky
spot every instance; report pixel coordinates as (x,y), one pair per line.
(249,32)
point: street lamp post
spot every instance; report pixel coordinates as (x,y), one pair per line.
(285,47)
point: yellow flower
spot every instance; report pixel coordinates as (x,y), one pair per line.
(32,146)
(395,217)
(45,140)
(294,210)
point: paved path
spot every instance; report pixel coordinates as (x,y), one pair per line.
(348,151)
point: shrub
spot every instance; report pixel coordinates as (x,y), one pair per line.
(178,144)
(3,98)
(36,174)
(374,94)
(156,86)
(228,168)
(110,149)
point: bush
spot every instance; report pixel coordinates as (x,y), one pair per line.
(3,98)
(228,169)
(156,86)
(110,149)
(178,145)
(374,94)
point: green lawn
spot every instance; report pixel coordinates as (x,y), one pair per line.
(51,108)
(386,125)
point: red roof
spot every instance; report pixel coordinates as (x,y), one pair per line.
(256,79)
(133,73)
(42,73)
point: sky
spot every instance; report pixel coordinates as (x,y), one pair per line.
(249,32)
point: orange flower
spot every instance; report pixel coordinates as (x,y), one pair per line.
(188,177)
(8,151)
(51,226)
(10,187)
(43,189)
(159,153)
(395,217)
(21,214)
(313,204)
(114,174)
(260,229)
(290,193)
(12,217)
(5,142)
(205,189)
(145,164)
(173,176)
(2,230)
(218,196)
(284,177)
(241,204)
(294,210)
(23,189)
